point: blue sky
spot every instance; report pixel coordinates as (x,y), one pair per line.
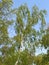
(42,4)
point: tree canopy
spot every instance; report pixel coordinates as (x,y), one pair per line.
(20,49)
